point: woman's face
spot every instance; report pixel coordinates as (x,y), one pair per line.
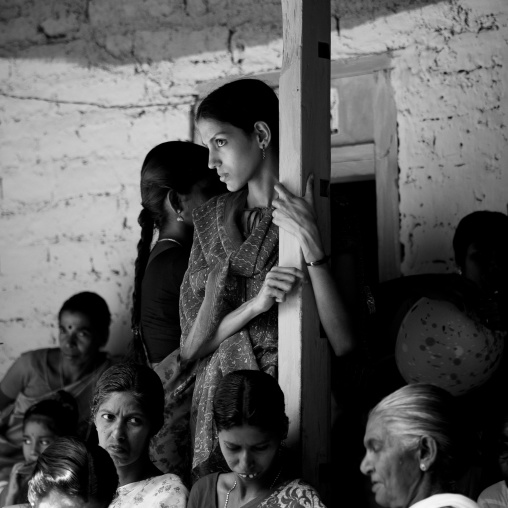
(36,438)
(79,342)
(487,267)
(123,428)
(393,470)
(249,451)
(235,155)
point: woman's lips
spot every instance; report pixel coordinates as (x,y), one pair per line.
(250,476)
(117,449)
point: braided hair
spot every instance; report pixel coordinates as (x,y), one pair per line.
(173,165)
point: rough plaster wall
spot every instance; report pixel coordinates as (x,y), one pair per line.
(88,87)
(450,80)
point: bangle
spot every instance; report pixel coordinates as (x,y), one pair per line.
(321,261)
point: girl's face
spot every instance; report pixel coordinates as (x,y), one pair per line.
(235,155)
(36,438)
(123,428)
(249,451)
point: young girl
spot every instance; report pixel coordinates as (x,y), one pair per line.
(249,414)
(228,316)
(42,424)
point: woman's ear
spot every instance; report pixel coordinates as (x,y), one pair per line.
(173,200)
(427,452)
(263,134)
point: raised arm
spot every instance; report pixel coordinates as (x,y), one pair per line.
(297,216)
(278,283)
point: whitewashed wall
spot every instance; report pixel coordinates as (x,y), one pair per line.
(88,87)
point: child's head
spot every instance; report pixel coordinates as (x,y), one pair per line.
(47,420)
(243,103)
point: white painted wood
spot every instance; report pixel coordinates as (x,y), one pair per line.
(304,92)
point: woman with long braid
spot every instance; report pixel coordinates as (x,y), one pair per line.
(175,179)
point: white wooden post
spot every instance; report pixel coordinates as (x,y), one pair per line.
(304,93)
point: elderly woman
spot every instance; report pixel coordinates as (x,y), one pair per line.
(415,449)
(128,410)
(37,375)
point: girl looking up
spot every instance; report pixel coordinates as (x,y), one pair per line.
(228,316)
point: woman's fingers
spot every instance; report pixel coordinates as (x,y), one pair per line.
(309,190)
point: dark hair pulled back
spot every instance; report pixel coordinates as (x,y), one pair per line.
(484,228)
(242,103)
(138,380)
(71,468)
(60,414)
(173,165)
(250,397)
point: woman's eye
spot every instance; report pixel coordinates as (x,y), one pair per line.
(46,442)
(233,448)
(220,142)
(261,448)
(26,441)
(135,421)
(108,417)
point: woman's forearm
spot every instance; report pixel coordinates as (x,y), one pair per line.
(195,348)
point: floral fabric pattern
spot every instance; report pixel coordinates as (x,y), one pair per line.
(166,491)
(225,270)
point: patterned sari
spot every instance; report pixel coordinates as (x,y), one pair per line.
(225,270)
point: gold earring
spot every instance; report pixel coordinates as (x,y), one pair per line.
(179,217)
(263,153)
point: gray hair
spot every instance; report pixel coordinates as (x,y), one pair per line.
(418,410)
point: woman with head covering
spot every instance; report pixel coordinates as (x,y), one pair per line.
(416,449)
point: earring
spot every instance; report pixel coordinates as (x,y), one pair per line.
(263,153)
(179,218)
(423,467)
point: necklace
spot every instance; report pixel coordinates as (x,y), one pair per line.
(236,481)
(169,240)
(229,492)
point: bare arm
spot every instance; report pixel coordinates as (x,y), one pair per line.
(297,216)
(278,282)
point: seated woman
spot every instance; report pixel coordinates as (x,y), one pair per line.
(230,290)
(416,448)
(43,423)
(69,474)
(128,410)
(249,414)
(75,366)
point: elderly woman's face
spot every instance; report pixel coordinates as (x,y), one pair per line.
(123,428)
(393,470)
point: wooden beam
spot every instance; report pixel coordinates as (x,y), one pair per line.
(387,175)
(304,92)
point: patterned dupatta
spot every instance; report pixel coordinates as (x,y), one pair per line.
(225,271)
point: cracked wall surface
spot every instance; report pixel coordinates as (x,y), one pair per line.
(88,87)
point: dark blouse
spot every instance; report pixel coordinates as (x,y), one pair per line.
(160,294)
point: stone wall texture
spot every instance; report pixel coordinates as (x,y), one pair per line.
(87,87)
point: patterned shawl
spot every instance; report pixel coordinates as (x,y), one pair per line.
(225,271)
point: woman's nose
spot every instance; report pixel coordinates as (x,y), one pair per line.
(119,430)
(213,163)
(245,461)
(365,466)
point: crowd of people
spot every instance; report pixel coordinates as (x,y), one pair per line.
(194,416)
